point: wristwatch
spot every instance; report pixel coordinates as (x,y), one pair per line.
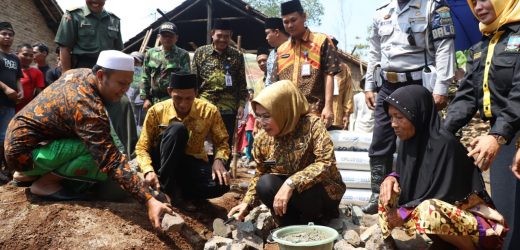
(500,139)
(290,183)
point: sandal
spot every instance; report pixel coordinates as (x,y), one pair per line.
(61,195)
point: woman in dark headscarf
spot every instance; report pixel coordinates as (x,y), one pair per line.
(296,174)
(441,191)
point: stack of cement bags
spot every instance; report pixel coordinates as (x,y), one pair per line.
(351,150)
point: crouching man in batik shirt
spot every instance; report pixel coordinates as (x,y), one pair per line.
(170,151)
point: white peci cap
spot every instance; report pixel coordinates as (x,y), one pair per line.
(117,60)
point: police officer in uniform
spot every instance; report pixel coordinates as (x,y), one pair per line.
(406,36)
(86,31)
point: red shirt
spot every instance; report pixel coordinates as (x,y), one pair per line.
(32,79)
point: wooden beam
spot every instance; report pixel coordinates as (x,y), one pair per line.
(209,24)
(246,13)
(156,28)
(205,20)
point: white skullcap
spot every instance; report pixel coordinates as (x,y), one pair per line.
(117,60)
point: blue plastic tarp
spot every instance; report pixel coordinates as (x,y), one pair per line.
(466,25)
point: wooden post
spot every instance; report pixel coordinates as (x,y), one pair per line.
(234,162)
(145,40)
(209,24)
(157,41)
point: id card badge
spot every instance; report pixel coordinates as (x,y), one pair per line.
(306,69)
(229,81)
(306,66)
(336,87)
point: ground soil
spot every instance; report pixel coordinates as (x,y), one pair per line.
(28,224)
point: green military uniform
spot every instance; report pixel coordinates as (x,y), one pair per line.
(159,65)
(87,33)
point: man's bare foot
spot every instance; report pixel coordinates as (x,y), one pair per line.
(46,185)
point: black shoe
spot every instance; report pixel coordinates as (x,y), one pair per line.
(371,207)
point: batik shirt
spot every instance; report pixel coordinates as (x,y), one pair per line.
(211,68)
(317,50)
(306,155)
(70,108)
(203,120)
(272,68)
(158,68)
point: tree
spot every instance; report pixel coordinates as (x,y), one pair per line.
(361,47)
(271,8)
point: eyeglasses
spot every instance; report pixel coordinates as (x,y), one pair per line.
(263,118)
(411,38)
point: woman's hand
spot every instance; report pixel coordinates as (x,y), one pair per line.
(389,187)
(281,199)
(485,149)
(241,210)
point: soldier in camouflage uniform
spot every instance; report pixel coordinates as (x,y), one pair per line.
(160,63)
(86,31)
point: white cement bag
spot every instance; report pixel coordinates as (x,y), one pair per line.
(350,141)
(355,179)
(349,160)
(357,196)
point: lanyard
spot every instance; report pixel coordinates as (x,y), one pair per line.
(485,82)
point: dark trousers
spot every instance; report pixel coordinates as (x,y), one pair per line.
(311,205)
(383,137)
(230,123)
(505,191)
(182,174)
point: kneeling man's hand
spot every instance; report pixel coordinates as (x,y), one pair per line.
(220,171)
(151,180)
(156,211)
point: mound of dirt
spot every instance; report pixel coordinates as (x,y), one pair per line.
(99,225)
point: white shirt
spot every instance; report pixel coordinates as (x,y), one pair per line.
(390,48)
(362,119)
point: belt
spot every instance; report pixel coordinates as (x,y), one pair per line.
(401,77)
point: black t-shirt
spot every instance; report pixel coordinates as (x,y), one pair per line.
(44,70)
(53,75)
(10,72)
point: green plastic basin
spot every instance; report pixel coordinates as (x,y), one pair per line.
(326,244)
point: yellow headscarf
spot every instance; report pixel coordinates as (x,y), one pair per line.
(507,11)
(285,103)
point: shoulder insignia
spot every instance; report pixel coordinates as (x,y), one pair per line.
(477,55)
(112,14)
(66,16)
(442,26)
(73,9)
(383,6)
